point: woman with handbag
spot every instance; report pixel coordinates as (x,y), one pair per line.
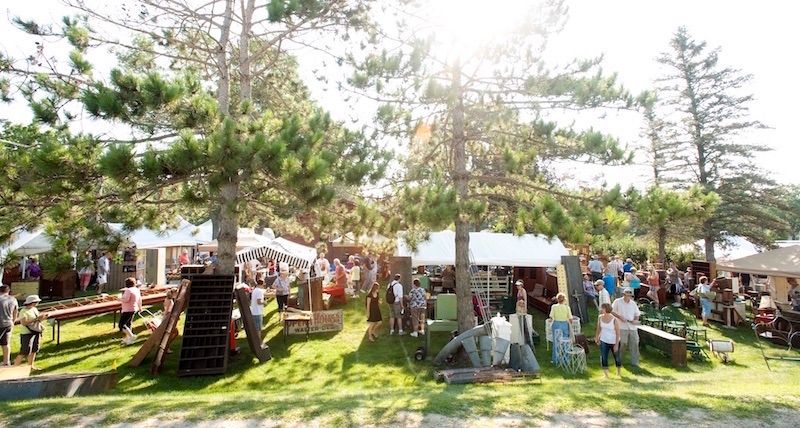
(31,333)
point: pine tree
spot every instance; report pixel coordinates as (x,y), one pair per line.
(189,147)
(478,134)
(714,127)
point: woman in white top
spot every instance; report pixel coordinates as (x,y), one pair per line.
(607,336)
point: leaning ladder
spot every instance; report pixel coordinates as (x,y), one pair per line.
(475,287)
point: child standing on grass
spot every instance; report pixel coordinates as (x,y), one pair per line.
(31,332)
(607,337)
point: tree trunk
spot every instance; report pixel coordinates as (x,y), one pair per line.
(661,240)
(224,80)
(466,317)
(228,227)
(245,74)
(709,241)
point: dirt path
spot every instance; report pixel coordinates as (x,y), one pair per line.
(589,419)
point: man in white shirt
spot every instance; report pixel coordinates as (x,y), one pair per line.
(103,267)
(626,310)
(602,293)
(396,308)
(323,268)
(257,306)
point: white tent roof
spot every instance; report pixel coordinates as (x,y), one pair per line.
(185,235)
(28,243)
(779,262)
(487,248)
(246,238)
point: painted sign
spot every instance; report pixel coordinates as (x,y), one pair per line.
(321,321)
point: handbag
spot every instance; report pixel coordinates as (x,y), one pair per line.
(35,326)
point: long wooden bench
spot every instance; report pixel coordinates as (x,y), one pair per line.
(671,345)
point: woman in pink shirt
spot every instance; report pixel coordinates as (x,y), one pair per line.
(131,304)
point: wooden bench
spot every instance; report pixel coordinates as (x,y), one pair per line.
(671,345)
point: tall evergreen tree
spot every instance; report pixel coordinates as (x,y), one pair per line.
(713,130)
(477,136)
(189,146)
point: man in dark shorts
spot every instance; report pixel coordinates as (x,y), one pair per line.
(8,316)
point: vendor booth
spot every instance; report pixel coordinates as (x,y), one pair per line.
(778,264)
(490,254)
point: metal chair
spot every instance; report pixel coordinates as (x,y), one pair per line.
(694,331)
(673,322)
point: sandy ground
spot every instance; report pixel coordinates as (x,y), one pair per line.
(588,419)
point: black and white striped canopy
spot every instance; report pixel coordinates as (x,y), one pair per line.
(279,253)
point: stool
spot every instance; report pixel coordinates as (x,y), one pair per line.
(575,361)
(563,346)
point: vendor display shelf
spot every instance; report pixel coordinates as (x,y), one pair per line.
(204,349)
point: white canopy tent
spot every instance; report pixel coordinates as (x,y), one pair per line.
(246,238)
(783,262)
(487,249)
(27,244)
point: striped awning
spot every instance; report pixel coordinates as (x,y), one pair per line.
(280,253)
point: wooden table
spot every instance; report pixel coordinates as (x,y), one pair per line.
(673,346)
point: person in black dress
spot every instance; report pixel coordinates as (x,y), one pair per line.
(373,312)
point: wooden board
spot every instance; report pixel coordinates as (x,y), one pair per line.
(260,350)
(575,293)
(154,338)
(171,322)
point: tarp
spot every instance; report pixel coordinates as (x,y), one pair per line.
(487,249)
(779,262)
(281,250)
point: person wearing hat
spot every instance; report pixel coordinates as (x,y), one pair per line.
(602,293)
(31,321)
(627,311)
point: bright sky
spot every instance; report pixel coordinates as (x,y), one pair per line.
(757,37)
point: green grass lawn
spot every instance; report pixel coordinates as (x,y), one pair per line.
(341,378)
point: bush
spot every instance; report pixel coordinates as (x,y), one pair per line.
(640,249)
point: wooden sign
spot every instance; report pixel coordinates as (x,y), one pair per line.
(321,321)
